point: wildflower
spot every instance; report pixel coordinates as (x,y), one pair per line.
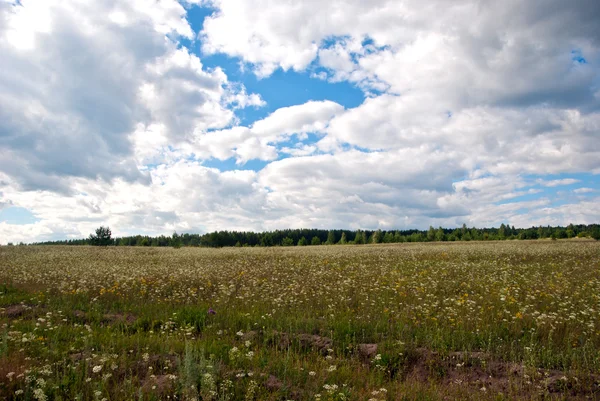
(234,353)
(312,373)
(211,311)
(39,395)
(330,388)
(250,392)
(10,375)
(18,392)
(97,368)
(146,357)
(46,371)
(331,368)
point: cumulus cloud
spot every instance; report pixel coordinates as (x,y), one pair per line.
(470,108)
(256,141)
(467,51)
(81,76)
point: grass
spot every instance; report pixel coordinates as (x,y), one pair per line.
(497,321)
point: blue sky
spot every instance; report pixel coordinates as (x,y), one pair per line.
(17,216)
(256,115)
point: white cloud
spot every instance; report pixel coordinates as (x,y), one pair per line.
(256,141)
(78,85)
(465,52)
(465,100)
(556,183)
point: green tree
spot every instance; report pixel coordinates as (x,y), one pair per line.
(502,231)
(358,238)
(287,241)
(302,241)
(431,234)
(416,237)
(570,231)
(102,237)
(330,238)
(463,230)
(439,235)
(343,240)
(377,237)
(176,241)
(315,241)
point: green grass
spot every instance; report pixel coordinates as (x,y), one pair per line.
(497,321)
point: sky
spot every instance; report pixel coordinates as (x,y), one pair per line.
(156,116)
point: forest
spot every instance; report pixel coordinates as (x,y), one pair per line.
(302,237)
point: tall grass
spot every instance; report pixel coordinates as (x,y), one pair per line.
(507,320)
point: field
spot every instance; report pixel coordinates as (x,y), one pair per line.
(439,321)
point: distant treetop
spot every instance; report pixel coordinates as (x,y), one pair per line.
(314,237)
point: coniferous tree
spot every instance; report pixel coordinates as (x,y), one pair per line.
(358,238)
(431,234)
(175,241)
(502,231)
(570,231)
(343,240)
(102,237)
(439,235)
(330,238)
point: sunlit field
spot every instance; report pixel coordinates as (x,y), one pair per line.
(440,321)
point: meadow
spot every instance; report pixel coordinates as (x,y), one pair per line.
(430,321)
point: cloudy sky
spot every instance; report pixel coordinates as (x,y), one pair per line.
(154,116)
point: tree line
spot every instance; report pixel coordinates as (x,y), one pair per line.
(303,237)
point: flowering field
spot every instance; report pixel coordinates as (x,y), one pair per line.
(499,321)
